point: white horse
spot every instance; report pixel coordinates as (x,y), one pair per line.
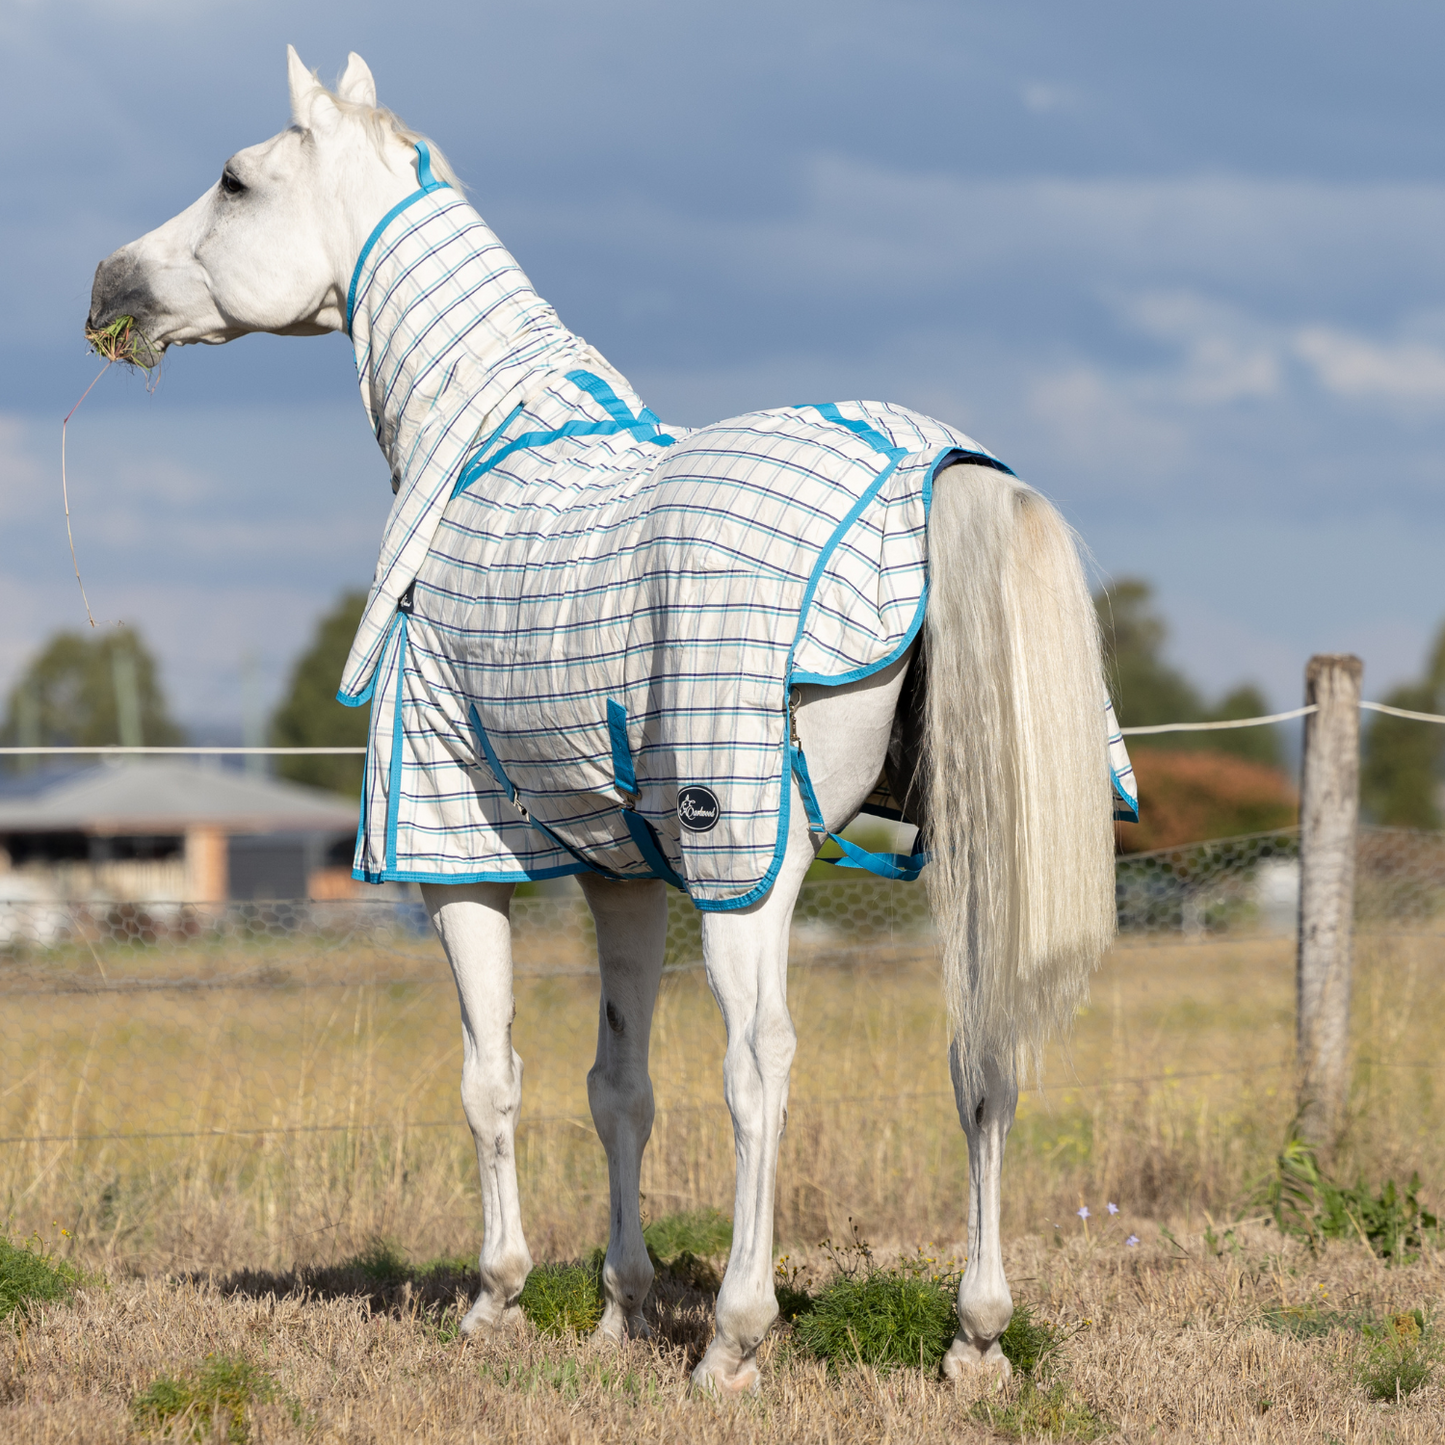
(998,744)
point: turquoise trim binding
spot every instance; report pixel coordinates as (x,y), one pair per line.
(485,743)
(644,427)
(428,185)
(358,699)
(396,875)
(393,791)
(1126,809)
(347,699)
(464,477)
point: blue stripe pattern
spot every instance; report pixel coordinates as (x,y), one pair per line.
(602,611)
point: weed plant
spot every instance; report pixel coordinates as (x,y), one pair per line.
(1304,1201)
(1401,1358)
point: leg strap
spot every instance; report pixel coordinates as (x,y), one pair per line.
(903,866)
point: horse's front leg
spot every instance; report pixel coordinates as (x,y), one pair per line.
(985,1306)
(631,932)
(746,954)
(472,920)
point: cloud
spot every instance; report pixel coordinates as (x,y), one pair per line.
(1358,368)
(1043,98)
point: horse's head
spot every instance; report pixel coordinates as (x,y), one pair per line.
(271,245)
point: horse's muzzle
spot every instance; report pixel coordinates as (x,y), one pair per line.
(121,289)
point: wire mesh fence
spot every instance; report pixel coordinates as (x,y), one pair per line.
(296,1063)
(1224,887)
(124,1019)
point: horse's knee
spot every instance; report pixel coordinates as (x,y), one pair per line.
(758,1062)
(491,1091)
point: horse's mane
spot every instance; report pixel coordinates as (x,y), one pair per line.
(383,124)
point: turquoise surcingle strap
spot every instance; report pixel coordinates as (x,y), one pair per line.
(625,781)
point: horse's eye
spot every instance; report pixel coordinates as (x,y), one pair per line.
(230,184)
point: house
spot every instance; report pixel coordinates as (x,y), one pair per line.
(173,831)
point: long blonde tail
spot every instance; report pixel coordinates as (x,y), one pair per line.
(1018,802)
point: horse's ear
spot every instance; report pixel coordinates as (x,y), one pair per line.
(357,84)
(305,89)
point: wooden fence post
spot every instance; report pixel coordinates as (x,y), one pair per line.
(1329,810)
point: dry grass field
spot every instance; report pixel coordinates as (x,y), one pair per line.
(298,1103)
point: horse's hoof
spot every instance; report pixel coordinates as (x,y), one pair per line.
(965,1360)
(488,1316)
(611,1328)
(722,1374)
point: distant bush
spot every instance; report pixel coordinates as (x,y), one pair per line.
(1186,797)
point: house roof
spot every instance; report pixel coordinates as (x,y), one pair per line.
(145,797)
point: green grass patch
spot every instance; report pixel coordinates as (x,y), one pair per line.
(1312,1321)
(192,1406)
(704,1233)
(30,1273)
(1029,1344)
(884,1318)
(1028,1411)
(565,1298)
(382,1263)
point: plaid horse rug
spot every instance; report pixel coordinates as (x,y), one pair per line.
(585,627)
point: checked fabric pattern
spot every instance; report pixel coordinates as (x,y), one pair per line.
(584,626)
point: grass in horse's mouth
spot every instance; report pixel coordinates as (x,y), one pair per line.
(123,341)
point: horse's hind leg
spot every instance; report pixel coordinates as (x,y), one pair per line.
(474,928)
(984,1303)
(631,932)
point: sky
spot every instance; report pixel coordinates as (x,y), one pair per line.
(1182,267)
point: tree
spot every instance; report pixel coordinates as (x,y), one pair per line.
(310,716)
(1404,760)
(1147,690)
(84,691)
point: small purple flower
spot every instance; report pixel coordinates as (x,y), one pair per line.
(1132,1240)
(1082,1211)
(1112,1207)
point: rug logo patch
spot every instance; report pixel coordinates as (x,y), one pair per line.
(698,808)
